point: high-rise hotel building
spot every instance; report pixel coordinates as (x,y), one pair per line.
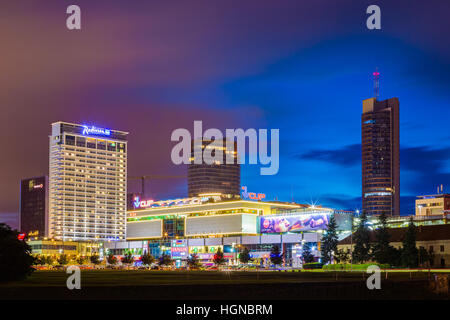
(380,143)
(87,183)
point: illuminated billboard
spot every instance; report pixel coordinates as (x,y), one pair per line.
(304,222)
(179,249)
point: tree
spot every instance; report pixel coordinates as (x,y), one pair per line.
(128,258)
(361,251)
(218,257)
(342,256)
(165,260)
(94,259)
(193,262)
(424,257)
(39,260)
(147,259)
(382,251)
(80,260)
(431,257)
(276,256)
(329,241)
(49,260)
(16,259)
(410,254)
(244,256)
(111,259)
(62,259)
(307,255)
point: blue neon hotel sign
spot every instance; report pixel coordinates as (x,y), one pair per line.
(95,131)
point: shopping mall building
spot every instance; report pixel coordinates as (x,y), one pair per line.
(204,224)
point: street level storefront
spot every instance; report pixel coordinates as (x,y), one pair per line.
(54,247)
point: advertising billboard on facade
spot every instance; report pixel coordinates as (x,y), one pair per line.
(179,249)
(305,222)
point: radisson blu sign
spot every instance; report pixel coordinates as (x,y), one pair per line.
(91,130)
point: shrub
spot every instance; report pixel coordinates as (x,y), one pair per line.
(356,267)
(313,265)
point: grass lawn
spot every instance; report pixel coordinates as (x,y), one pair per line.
(205,285)
(146,277)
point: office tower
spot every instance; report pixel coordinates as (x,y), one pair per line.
(218,177)
(380,156)
(87,183)
(34,206)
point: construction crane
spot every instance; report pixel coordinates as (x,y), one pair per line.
(152,177)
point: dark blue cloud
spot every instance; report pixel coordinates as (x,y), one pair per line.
(422,169)
(346,156)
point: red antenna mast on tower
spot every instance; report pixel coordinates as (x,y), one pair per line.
(376,84)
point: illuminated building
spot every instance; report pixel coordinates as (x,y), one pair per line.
(380,156)
(202,225)
(221,177)
(87,183)
(56,247)
(433,205)
(34,206)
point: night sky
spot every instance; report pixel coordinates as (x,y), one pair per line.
(304,67)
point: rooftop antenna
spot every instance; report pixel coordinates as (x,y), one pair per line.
(376,84)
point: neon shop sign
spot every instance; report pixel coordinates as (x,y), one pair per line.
(138,203)
(96,131)
(251,195)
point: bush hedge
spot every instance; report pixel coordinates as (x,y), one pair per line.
(348,267)
(313,265)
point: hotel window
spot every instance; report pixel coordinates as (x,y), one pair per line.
(442,248)
(101,145)
(70,140)
(111,146)
(81,142)
(91,143)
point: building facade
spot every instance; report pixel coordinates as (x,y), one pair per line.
(434,238)
(433,205)
(208,175)
(53,247)
(202,225)
(380,147)
(87,183)
(34,206)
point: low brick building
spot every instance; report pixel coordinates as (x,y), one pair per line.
(433,238)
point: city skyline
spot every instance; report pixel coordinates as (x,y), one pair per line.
(245,74)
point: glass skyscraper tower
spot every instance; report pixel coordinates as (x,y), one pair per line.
(380,143)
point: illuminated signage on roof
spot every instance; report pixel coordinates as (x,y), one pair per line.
(251,195)
(95,131)
(138,203)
